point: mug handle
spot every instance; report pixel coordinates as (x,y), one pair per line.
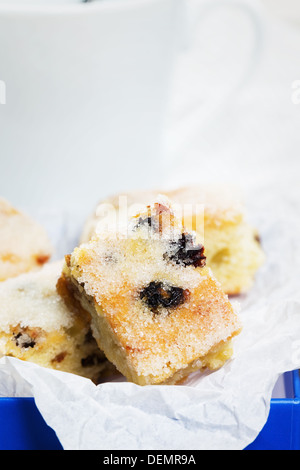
(208,7)
(251,13)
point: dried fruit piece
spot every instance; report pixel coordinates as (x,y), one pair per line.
(150,221)
(159,294)
(185,252)
(24,340)
(59,357)
(93,360)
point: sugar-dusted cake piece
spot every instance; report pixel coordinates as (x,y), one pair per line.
(24,244)
(157,311)
(233,248)
(37,325)
(216,213)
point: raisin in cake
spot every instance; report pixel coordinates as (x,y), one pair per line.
(36,325)
(24,244)
(157,311)
(232,245)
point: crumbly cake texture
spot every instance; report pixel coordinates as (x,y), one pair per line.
(36,325)
(157,311)
(232,245)
(24,244)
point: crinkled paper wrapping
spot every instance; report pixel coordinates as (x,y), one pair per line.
(225,409)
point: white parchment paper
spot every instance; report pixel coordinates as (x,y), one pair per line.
(225,409)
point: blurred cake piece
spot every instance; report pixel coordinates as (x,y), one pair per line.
(157,311)
(24,244)
(36,325)
(232,245)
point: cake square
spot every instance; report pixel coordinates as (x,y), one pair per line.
(157,311)
(24,244)
(36,325)
(232,244)
(217,214)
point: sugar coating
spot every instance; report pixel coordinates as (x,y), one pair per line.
(122,255)
(31,300)
(216,214)
(112,270)
(114,263)
(24,244)
(36,325)
(222,203)
(218,205)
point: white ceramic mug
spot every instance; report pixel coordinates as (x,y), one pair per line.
(86,89)
(86,92)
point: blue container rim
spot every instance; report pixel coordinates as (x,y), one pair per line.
(282,430)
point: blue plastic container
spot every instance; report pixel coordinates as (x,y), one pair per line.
(282,430)
(23,428)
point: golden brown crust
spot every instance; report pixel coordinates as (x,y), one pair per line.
(36,325)
(24,244)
